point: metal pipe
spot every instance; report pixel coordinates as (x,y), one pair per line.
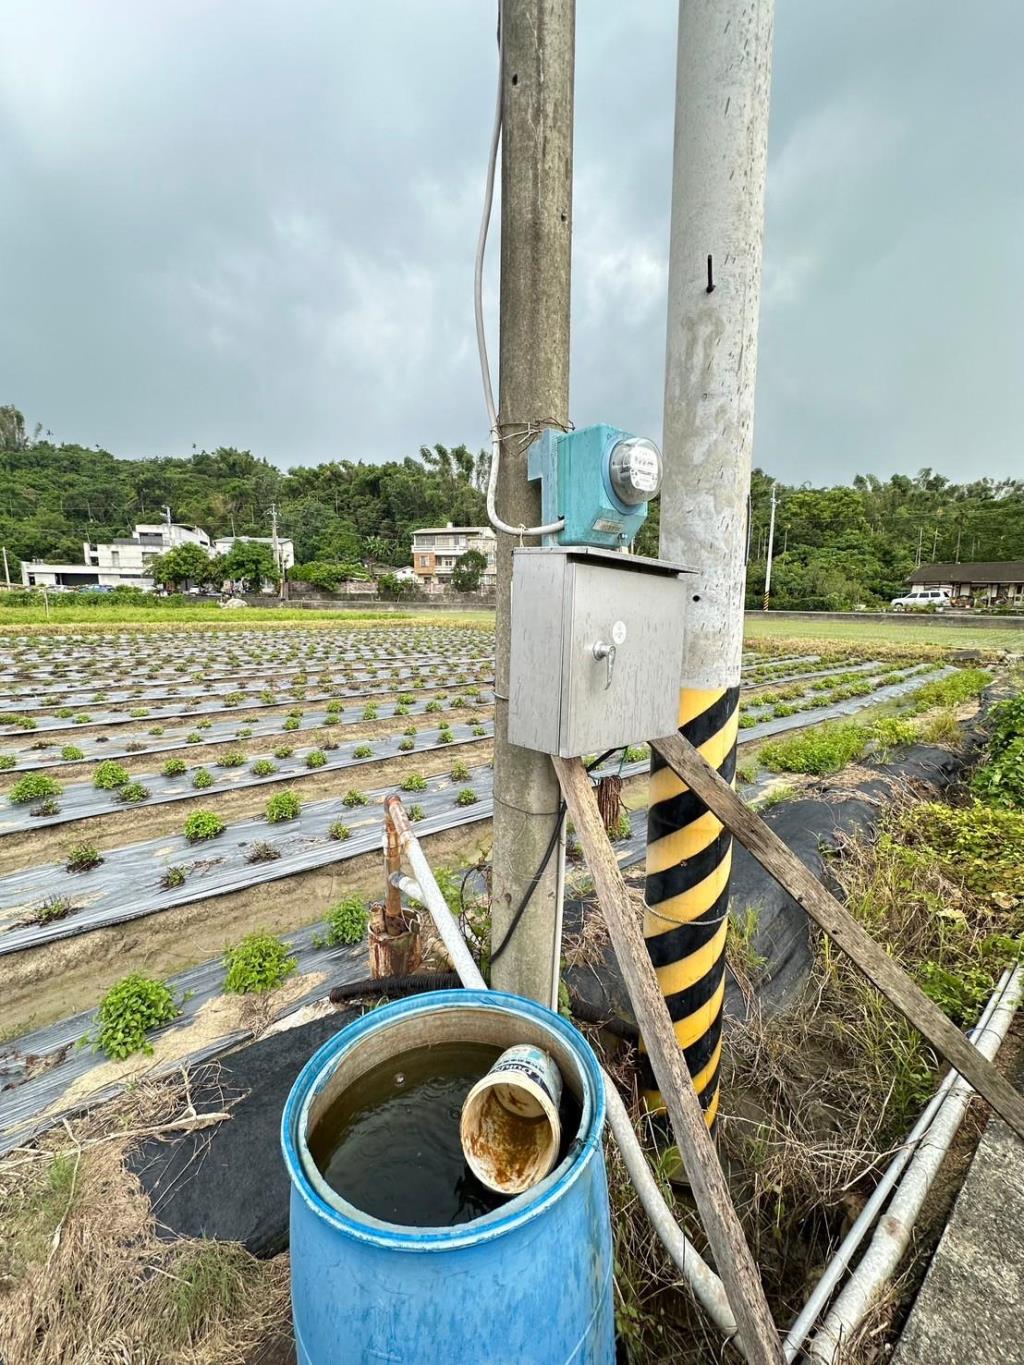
(832,1273)
(892,1235)
(706,1285)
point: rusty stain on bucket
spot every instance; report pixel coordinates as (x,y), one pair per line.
(510,1128)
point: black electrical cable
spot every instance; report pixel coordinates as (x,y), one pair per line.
(534,881)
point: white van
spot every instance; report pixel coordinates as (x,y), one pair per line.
(922,597)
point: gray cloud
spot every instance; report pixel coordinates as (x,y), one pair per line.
(253,225)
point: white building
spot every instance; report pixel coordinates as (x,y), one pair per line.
(285,548)
(436,548)
(125,562)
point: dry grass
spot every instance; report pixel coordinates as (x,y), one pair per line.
(84,1279)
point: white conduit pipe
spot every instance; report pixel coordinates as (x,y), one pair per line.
(833,1272)
(892,1235)
(706,1285)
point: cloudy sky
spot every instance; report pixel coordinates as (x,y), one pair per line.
(252,224)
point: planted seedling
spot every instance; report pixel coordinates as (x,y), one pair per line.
(262,852)
(460,771)
(201,778)
(414,782)
(234,758)
(174,767)
(346,923)
(259,963)
(47,807)
(133,791)
(8,760)
(362,751)
(172,877)
(262,767)
(316,758)
(370,712)
(110,775)
(283,806)
(53,908)
(202,825)
(467,797)
(406,745)
(283,751)
(354,798)
(339,831)
(83,858)
(129,1011)
(33,787)
(416,812)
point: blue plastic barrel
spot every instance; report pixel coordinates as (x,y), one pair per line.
(529,1284)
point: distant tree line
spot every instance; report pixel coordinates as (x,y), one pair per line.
(835,547)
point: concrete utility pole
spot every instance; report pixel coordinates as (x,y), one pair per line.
(537,56)
(771,547)
(7,569)
(722,90)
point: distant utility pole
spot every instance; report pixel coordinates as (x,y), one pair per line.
(167,514)
(275,546)
(935,544)
(920,542)
(771,547)
(7,571)
(537,57)
(723,80)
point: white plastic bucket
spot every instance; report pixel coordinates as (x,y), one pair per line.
(510,1128)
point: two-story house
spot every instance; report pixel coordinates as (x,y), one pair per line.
(436,548)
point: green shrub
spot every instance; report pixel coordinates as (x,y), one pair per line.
(818,752)
(893,732)
(174,767)
(202,825)
(467,797)
(202,778)
(346,923)
(354,798)
(83,858)
(129,1011)
(132,792)
(283,806)
(414,782)
(259,963)
(262,767)
(33,787)
(71,753)
(339,831)
(316,758)
(362,751)
(172,877)
(110,775)
(1006,723)
(1000,781)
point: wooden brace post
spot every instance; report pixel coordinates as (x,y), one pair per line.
(759,1339)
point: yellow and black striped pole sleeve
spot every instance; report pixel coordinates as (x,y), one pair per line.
(689,858)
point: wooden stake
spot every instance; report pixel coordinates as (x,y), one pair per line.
(759,1339)
(876,964)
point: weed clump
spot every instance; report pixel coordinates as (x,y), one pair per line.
(262,852)
(259,963)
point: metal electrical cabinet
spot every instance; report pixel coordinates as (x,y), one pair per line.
(597,649)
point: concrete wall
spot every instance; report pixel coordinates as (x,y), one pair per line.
(951,619)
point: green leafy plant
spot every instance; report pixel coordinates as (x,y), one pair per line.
(233,698)
(51,909)
(460,771)
(284,751)
(137,712)
(406,746)
(354,798)
(262,767)
(467,797)
(83,858)
(291,723)
(346,923)
(433,706)
(202,825)
(370,712)
(110,775)
(362,751)
(48,807)
(172,877)
(202,778)
(316,758)
(174,767)
(479,731)
(283,806)
(70,753)
(414,782)
(33,787)
(194,737)
(445,737)
(22,722)
(129,1011)
(132,792)
(818,752)
(234,758)
(415,813)
(259,963)
(338,830)
(83,718)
